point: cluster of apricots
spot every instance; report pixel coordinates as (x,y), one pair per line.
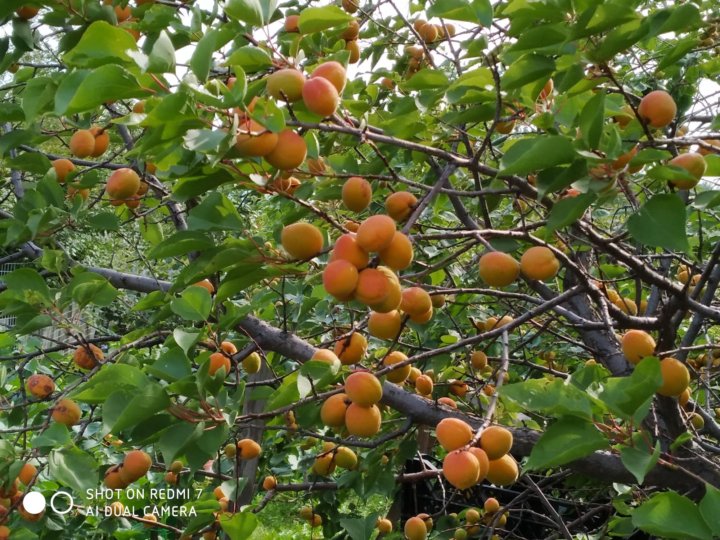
(356,408)
(638,344)
(499,269)
(135,465)
(222,360)
(11,495)
(349,34)
(489,515)
(334,456)
(465,464)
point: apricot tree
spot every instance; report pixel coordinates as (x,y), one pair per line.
(315,250)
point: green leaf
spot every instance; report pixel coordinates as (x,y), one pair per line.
(180,243)
(85,90)
(186,338)
(255,12)
(360,528)
(463,10)
(251,59)
(104,221)
(638,460)
(101,44)
(74,468)
(215,213)
(568,210)
(709,508)
(671,515)
(90,288)
(176,438)
(536,153)
(145,402)
(109,379)
(204,140)
(630,397)
(316,19)
(592,120)
(172,365)
(426,79)
(201,60)
(238,526)
(162,55)
(660,222)
(194,304)
(55,436)
(530,68)
(554,397)
(566,440)
(27,279)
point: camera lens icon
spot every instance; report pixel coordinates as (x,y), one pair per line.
(35,502)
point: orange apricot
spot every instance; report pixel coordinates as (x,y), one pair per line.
(219,361)
(400,374)
(205,284)
(624,159)
(87,356)
(491,505)
(136,464)
(347,248)
(340,278)
(503,471)
(302,240)
(290,151)
(458,388)
(392,301)
(332,411)
(657,109)
(333,72)
(327,356)
(63,167)
(453,433)
(102,141)
(498,269)
(291,23)
(384,526)
(385,325)
(27,12)
(399,205)
(351,6)
(461,469)
(478,359)
(428,32)
(422,318)
(269,482)
(684,397)
(354,49)
(316,166)
(113,480)
(483,461)
(286,185)
(40,386)
(362,421)
(376,233)
(253,139)
(228,347)
(424,385)
(496,441)
(415,529)
(351,349)
(286,84)
(415,301)
(539,262)
(345,458)
(248,449)
(399,254)
(27,473)
(352,31)
(122,184)
(693,163)
(373,287)
(636,345)
(448,402)
(320,96)
(82,143)
(676,377)
(363,388)
(714,147)
(67,412)
(356,194)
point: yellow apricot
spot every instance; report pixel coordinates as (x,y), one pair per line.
(354,49)
(399,254)
(286,84)
(636,345)
(346,248)
(332,411)
(453,433)
(491,505)
(693,163)
(503,471)
(626,305)
(345,458)
(540,263)
(356,194)
(496,441)
(461,469)
(333,72)
(384,526)
(302,240)
(290,151)
(423,385)
(684,397)
(657,109)
(351,349)
(498,269)
(385,325)
(340,278)
(375,233)
(399,205)
(676,377)
(478,359)
(324,465)
(397,375)
(363,388)
(362,421)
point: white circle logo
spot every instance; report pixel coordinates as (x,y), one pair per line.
(34,502)
(71,501)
